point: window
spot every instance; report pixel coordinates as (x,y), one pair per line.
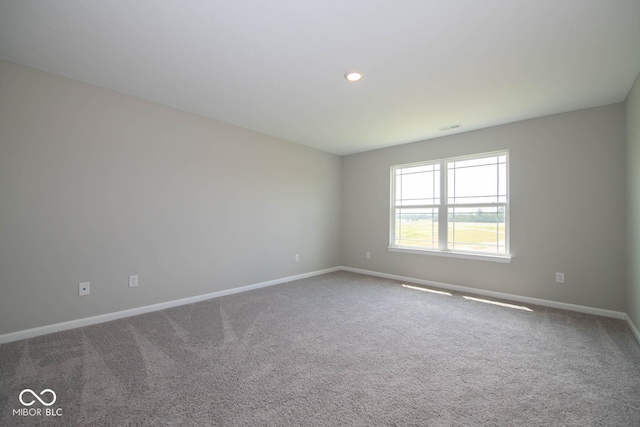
(457,206)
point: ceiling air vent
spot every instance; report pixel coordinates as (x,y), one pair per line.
(451,127)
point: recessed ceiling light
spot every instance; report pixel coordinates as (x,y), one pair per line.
(353,76)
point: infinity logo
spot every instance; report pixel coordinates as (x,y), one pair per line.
(37,397)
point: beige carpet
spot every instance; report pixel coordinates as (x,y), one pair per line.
(338,349)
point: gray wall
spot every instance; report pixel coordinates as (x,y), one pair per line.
(567,181)
(633,203)
(96,185)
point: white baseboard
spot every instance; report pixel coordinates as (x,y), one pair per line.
(633,328)
(72,324)
(500,295)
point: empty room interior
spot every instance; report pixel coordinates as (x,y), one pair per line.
(320,213)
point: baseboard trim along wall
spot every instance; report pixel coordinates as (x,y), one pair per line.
(633,328)
(500,295)
(72,324)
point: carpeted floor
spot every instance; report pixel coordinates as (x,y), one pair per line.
(337,349)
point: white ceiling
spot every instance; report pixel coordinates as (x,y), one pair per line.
(277,66)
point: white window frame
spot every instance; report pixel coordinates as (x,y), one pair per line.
(443,209)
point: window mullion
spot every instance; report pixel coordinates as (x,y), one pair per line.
(442,209)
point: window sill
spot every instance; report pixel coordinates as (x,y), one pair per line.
(464,255)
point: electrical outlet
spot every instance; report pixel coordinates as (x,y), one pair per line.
(84,288)
(133,281)
(297,257)
(367,255)
(559,277)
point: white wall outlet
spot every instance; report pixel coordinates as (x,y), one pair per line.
(84,288)
(559,277)
(297,257)
(133,281)
(367,255)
